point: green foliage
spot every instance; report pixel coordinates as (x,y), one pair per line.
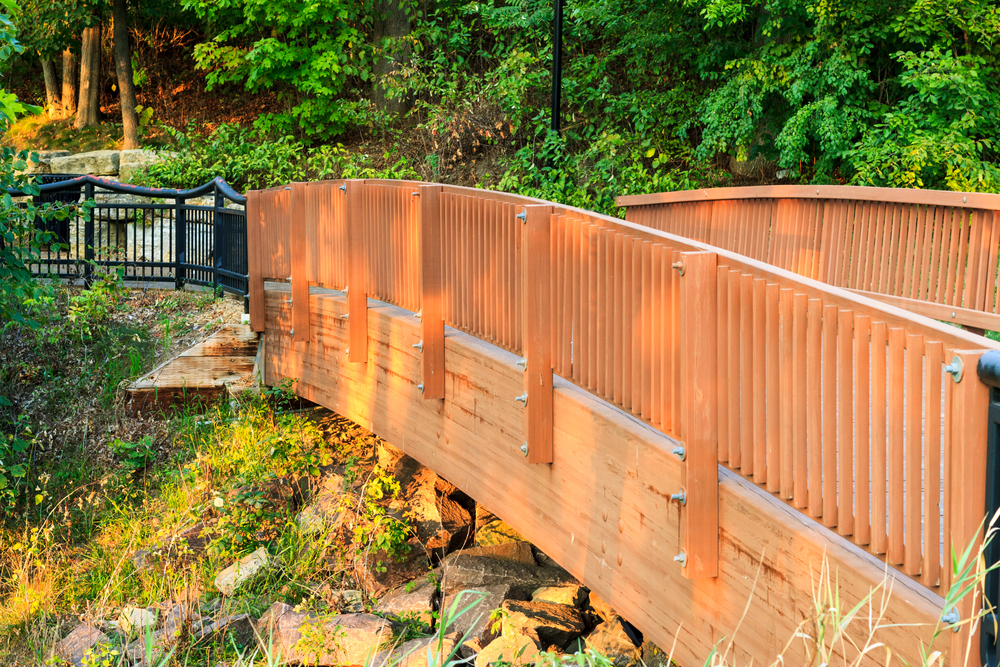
(135,456)
(376,530)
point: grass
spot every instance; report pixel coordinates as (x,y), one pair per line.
(40,132)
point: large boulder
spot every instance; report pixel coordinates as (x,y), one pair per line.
(490,530)
(426,652)
(242,571)
(347,639)
(557,624)
(411,601)
(73,648)
(381,571)
(459,571)
(96,163)
(517,650)
(475,624)
(569,594)
(326,511)
(43,163)
(132,161)
(238,628)
(614,641)
(442,524)
(519,552)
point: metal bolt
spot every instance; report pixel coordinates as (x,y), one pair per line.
(952,618)
(955,369)
(418,314)
(345,316)
(343,186)
(288,300)
(347,350)
(420,346)
(817,191)
(679,266)
(522,216)
(522,362)
(345,289)
(524,449)
(416,194)
(963,200)
(421,387)
(291,332)
(681,497)
(523,398)
(682,559)
(679,451)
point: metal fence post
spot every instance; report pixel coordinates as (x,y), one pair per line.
(219,243)
(88,235)
(180,238)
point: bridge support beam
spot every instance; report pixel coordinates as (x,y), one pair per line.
(431,293)
(357,295)
(537,334)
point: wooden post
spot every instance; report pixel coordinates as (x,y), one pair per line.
(700,427)
(537,333)
(966,492)
(255,275)
(431,293)
(357,295)
(297,245)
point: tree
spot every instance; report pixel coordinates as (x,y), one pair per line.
(88,113)
(68,97)
(123,66)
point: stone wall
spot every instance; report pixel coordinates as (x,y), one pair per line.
(120,164)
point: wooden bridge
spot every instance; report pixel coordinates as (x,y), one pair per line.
(691,410)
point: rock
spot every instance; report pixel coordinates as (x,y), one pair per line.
(380,571)
(475,624)
(601,608)
(325,509)
(132,161)
(347,639)
(426,652)
(388,456)
(349,602)
(134,620)
(557,624)
(238,627)
(611,640)
(460,571)
(543,559)
(570,594)
(96,163)
(411,601)
(242,571)
(73,647)
(176,619)
(579,645)
(518,649)
(490,530)
(519,552)
(654,656)
(441,523)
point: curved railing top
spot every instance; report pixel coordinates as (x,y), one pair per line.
(843,192)
(217,183)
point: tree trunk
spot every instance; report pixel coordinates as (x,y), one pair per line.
(68,84)
(90,79)
(123,64)
(51,88)
(396,24)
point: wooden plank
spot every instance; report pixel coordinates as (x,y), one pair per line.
(646,373)
(617,324)
(931,567)
(759,378)
(938,311)
(786,375)
(814,404)
(233,340)
(773,393)
(722,363)
(992,260)
(735,336)
(862,433)
(829,416)
(357,269)
(896,424)
(846,454)
(299,256)
(746,376)
(656,335)
(537,335)
(601,327)
(431,292)
(801,400)
(879,450)
(628,318)
(255,277)
(913,448)
(700,517)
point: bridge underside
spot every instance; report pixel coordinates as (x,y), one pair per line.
(602,508)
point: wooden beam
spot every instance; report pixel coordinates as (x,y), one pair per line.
(357,299)
(537,334)
(255,275)
(973,320)
(431,293)
(297,247)
(699,403)
(601,509)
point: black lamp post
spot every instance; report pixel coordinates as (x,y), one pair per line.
(556,65)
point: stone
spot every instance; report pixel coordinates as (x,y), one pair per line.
(73,647)
(459,571)
(325,510)
(600,607)
(132,161)
(350,602)
(96,163)
(346,639)
(579,645)
(475,624)
(519,552)
(517,649)
(570,594)
(654,656)
(426,652)
(176,618)
(411,601)
(242,571)
(441,523)
(490,530)
(557,624)
(612,640)
(238,627)
(381,571)
(134,620)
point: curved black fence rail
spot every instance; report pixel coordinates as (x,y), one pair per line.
(155,235)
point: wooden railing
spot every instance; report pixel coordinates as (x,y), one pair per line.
(931,252)
(840,405)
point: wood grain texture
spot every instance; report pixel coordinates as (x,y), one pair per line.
(357,269)
(299,254)
(604,462)
(537,333)
(431,292)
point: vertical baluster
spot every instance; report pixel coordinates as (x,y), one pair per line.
(722,351)
(747,402)
(914,453)
(862,435)
(845,429)
(896,421)
(735,383)
(759,378)
(814,395)
(771,364)
(879,448)
(829,416)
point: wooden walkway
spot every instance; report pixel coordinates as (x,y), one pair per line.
(579,373)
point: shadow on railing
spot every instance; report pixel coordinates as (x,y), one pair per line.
(195,236)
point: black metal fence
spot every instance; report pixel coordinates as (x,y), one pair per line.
(196,237)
